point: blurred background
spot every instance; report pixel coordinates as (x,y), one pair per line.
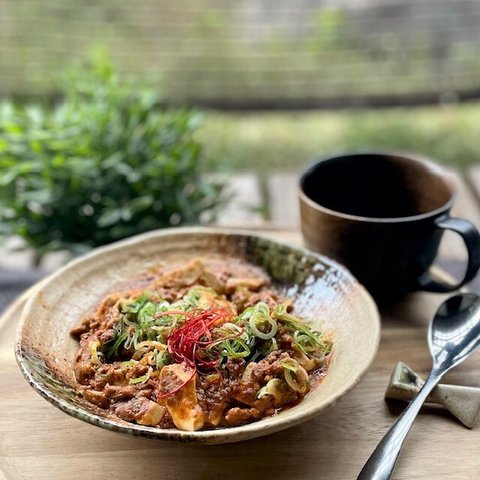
(121,117)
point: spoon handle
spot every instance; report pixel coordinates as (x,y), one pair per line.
(382,462)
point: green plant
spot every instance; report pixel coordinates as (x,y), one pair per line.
(104,164)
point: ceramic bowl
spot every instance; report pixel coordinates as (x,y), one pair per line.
(321,289)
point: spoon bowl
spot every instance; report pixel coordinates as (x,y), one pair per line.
(454,332)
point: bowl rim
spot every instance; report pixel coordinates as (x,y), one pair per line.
(258,428)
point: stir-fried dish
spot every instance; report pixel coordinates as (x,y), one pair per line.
(204,344)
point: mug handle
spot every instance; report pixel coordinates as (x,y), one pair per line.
(471,237)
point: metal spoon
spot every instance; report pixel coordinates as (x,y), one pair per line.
(453,335)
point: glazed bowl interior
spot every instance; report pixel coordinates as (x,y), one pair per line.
(321,290)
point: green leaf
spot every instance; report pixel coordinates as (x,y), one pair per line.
(110,217)
(141,203)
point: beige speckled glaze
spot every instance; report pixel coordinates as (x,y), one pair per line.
(321,289)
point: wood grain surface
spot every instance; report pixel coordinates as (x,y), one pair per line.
(39,442)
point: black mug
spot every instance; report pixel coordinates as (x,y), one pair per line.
(383,216)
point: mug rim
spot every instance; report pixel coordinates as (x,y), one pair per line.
(421,160)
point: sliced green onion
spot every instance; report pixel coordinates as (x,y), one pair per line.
(213,377)
(290,364)
(143,378)
(128,363)
(305,339)
(143,329)
(135,305)
(113,350)
(268,347)
(132,341)
(246,314)
(146,313)
(162,358)
(234,348)
(280,309)
(306,342)
(295,376)
(259,318)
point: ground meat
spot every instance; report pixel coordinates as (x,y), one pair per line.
(137,370)
(251,284)
(259,374)
(213,397)
(99,398)
(269,367)
(171,295)
(268,296)
(180,277)
(107,336)
(284,339)
(240,298)
(84,368)
(111,374)
(235,366)
(116,393)
(84,327)
(238,416)
(166,421)
(234,394)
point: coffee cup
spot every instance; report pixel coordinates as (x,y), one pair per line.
(383,216)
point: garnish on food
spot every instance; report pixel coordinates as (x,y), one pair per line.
(205,344)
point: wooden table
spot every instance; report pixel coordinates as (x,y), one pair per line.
(40,442)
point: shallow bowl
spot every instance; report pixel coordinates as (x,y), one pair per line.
(321,289)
